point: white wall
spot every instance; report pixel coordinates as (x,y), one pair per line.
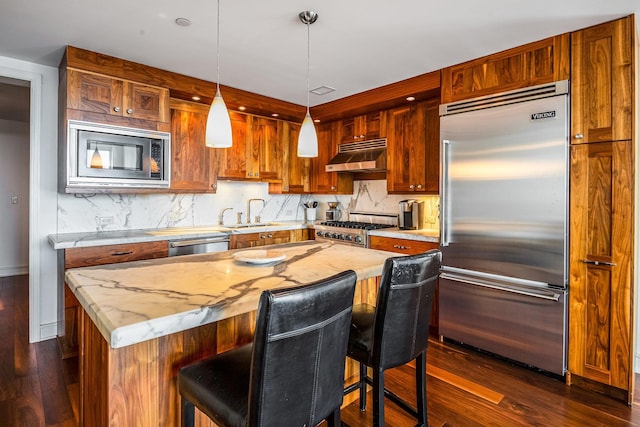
(14,217)
(43,143)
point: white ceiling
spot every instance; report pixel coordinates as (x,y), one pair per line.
(356,45)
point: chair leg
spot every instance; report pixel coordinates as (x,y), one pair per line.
(421,389)
(363,387)
(188,413)
(378,397)
(333,420)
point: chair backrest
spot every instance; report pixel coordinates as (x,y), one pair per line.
(403,308)
(299,352)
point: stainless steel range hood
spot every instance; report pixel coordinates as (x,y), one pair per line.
(363,156)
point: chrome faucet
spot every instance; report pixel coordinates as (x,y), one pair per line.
(221,216)
(249,209)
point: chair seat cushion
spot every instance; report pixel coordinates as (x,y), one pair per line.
(219,386)
(361,334)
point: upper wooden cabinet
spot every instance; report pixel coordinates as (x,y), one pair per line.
(602,82)
(536,63)
(110,96)
(256,153)
(362,128)
(295,170)
(192,162)
(413,147)
(323,182)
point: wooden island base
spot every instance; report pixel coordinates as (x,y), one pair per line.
(136,385)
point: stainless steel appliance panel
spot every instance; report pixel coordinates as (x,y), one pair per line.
(514,321)
(504,190)
(198,246)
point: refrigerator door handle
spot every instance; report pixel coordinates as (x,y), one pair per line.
(444,161)
(551,296)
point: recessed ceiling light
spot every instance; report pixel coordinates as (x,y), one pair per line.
(411,98)
(275,115)
(316,120)
(323,90)
(242,108)
(183,22)
(195,98)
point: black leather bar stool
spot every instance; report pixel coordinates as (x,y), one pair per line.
(292,373)
(396,331)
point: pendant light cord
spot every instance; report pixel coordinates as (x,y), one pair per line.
(308,61)
(218,51)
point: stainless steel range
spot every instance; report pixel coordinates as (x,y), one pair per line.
(356,230)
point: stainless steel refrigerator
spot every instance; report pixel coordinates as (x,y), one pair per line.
(504,191)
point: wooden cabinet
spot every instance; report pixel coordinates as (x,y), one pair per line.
(192,162)
(602,82)
(323,182)
(601,205)
(535,63)
(295,170)
(110,96)
(256,153)
(601,266)
(413,148)
(92,256)
(362,128)
(409,247)
(250,240)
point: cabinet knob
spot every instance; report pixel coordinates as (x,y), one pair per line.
(214,186)
(579,136)
(129,110)
(333,188)
(412,186)
(269,235)
(419,186)
(262,236)
(116,109)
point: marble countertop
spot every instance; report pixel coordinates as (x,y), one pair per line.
(137,301)
(425,235)
(81,240)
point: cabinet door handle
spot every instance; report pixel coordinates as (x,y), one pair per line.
(593,262)
(120,253)
(579,136)
(262,236)
(129,111)
(412,186)
(269,235)
(116,109)
(419,186)
(400,247)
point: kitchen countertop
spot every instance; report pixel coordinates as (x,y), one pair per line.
(425,235)
(137,301)
(81,240)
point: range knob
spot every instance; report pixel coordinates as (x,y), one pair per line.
(319,233)
(334,235)
(341,236)
(358,239)
(348,237)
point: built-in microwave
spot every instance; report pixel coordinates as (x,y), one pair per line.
(116,157)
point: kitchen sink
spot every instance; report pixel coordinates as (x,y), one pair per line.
(255,224)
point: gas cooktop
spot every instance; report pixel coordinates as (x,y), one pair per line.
(354,232)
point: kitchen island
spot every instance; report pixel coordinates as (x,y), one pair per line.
(141,321)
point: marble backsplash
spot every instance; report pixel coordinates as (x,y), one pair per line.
(111,212)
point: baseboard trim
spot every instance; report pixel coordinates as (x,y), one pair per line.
(14,271)
(48,331)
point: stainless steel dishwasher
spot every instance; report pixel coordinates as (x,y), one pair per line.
(215,242)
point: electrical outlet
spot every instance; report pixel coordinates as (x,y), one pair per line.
(105,220)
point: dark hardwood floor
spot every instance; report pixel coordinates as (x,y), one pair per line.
(465,387)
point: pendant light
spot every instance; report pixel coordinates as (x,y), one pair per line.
(96,159)
(308,139)
(218,133)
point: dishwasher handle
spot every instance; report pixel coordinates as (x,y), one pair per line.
(193,242)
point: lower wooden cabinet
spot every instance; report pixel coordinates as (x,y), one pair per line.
(409,247)
(601,266)
(92,256)
(250,240)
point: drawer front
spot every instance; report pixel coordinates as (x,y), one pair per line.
(404,246)
(112,254)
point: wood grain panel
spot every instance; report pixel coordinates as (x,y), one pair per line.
(112,254)
(602,71)
(600,301)
(232,161)
(532,64)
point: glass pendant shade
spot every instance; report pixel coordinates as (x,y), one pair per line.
(307,139)
(96,159)
(218,134)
